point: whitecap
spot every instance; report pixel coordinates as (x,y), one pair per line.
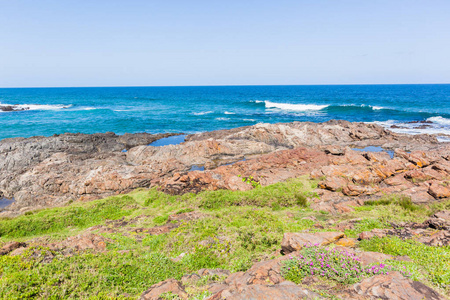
(294,107)
(202,113)
(222,119)
(24,107)
(439,120)
(229,113)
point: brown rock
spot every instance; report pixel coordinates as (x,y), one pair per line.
(296,241)
(367,235)
(396,287)
(283,291)
(346,242)
(167,286)
(368,258)
(10,247)
(439,190)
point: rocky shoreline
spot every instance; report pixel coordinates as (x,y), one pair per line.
(227,215)
(43,172)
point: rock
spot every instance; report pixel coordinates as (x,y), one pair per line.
(440,220)
(265,272)
(346,242)
(394,286)
(367,235)
(51,171)
(439,190)
(368,258)
(10,247)
(437,239)
(296,241)
(283,291)
(167,286)
(83,242)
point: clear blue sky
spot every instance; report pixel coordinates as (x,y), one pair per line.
(174,42)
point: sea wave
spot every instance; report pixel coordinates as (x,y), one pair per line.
(439,120)
(438,126)
(222,119)
(202,113)
(24,107)
(229,113)
(294,107)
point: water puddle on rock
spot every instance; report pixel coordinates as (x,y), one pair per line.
(197,168)
(171,140)
(5,202)
(375,149)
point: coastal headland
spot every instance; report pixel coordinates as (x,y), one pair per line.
(223,210)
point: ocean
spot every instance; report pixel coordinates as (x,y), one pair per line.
(412,109)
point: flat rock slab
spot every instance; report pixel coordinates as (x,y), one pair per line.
(167,286)
(296,241)
(283,291)
(394,286)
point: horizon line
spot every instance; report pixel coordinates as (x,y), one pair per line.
(217,85)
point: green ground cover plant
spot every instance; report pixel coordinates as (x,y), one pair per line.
(234,230)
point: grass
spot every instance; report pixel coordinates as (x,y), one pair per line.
(60,219)
(235,230)
(432,262)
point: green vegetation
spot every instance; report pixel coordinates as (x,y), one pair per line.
(63,218)
(230,230)
(431,263)
(400,200)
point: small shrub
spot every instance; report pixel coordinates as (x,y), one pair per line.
(400,200)
(332,264)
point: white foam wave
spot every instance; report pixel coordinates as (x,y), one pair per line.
(21,107)
(294,107)
(229,113)
(249,120)
(439,127)
(439,120)
(257,101)
(377,107)
(222,119)
(202,113)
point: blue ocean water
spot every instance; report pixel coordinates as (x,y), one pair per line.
(197,109)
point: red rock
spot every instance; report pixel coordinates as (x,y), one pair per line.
(283,291)
(167,286)
(367,235)
(439,190)
(296,241)
(396,287)
(356,190)
(368,258)
(10,247)
(333,183)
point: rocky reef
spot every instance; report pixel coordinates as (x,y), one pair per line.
(51,171)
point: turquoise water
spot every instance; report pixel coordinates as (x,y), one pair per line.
(197,109)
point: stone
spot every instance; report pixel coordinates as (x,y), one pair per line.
(396,287)
(167,286)
(367,235)
(11,247)
(296,241)
(346,242)
(368,258)
(439,190)
(282,291)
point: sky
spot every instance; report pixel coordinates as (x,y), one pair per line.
(62,43)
